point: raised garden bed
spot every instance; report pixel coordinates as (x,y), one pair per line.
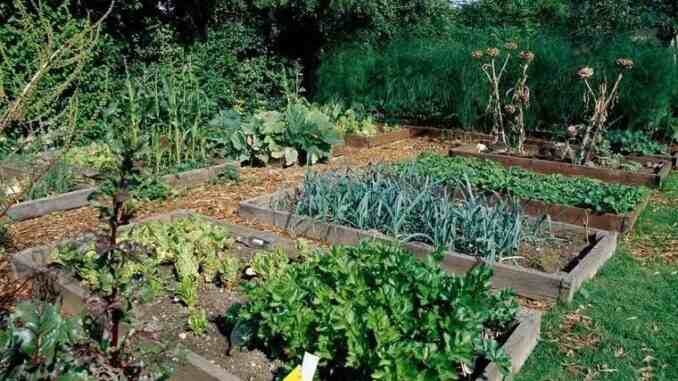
(573,200)
(582,263)
(620,223)
(205,357)
(79,198)
(648,177)
(468,137)
(381,138)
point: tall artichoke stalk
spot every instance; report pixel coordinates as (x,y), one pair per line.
(520,101)
(494,75)
(603,102)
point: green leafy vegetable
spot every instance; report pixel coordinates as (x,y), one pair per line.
(630,142)
(489,176)
(376,312)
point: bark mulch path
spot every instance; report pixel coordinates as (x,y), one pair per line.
(219,201)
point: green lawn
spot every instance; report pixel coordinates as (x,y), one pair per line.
(623,325)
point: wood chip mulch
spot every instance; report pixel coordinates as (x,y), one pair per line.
(218,201)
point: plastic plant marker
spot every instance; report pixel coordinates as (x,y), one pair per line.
(308,366)
(295,375)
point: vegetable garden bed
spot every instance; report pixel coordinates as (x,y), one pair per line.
(517,342)
(468,136)
(79,198)
(653,178)
(574,200)
(562,284)
(620,223)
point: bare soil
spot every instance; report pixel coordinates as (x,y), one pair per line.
(555,252)
(167,317)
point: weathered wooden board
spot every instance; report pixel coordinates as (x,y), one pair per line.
(651,180)
(79,198)
(380,139)
(620,223)
(519,345)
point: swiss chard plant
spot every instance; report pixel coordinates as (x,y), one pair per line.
(38,344)
(376,312)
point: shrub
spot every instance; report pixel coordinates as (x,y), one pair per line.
(237,70)
(376,312)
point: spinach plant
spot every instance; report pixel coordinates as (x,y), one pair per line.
(489,176)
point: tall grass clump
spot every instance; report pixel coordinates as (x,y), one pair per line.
(410,208)
(424,79)
(427,79)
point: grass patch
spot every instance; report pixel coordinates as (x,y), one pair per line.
(622,325)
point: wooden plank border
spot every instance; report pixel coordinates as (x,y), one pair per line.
(553,167)
(518,346)
(380,139)
(468,136)
(573,215)
(79,198)
(526,282)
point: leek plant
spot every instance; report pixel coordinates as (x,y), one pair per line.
(401,204)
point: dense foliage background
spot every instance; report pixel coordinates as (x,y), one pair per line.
(391,56)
